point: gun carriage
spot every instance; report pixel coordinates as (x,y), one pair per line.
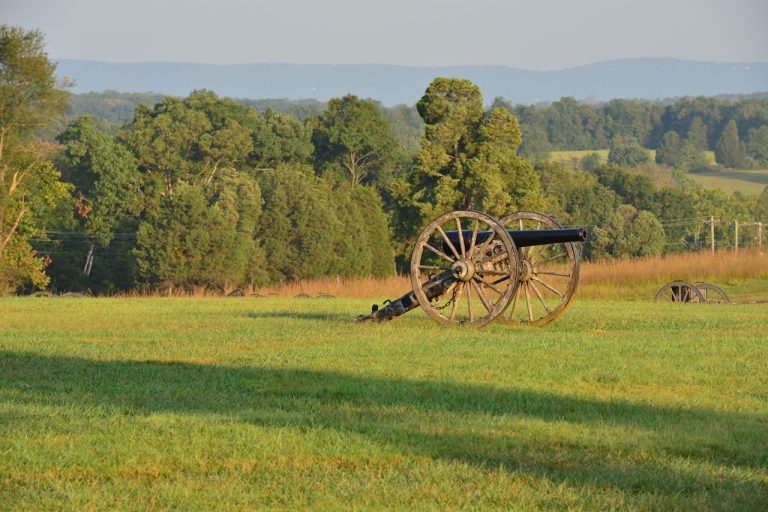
(470,268)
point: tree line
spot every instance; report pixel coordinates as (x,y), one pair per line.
(735,127)
(209,191)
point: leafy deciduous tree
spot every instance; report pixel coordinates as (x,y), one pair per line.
(353,136)
(30,99)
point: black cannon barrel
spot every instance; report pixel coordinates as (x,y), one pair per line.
(524,238)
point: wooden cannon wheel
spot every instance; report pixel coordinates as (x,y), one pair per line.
(471,282)
(712,294)
(679,291)
(548,273)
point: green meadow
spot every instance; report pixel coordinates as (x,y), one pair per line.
(750,182)
(283,403)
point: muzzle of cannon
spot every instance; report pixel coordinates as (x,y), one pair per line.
(469,268)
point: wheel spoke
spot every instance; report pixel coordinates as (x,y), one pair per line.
(551,273)
(493,259)
(473,240)
(551,258)
(439,253)
(469,303)
(456,300)
(489,285)
(429,284)
(548,287)
(461,238)
(483,297)
(486,242)
(491,272)
(528,302)
(448,241)
(432,267)
(541,299)
(552,267)
(514,303)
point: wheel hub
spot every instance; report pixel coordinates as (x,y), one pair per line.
(463,269)
(526,270)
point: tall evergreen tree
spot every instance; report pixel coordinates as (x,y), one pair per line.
(757,145)
(299,227)
(697,134)
(468,161)
(729,150)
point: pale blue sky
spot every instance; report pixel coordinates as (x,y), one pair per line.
(543,34)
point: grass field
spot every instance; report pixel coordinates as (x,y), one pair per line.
(748,182)
(730,180)
(282,403)
(575,156)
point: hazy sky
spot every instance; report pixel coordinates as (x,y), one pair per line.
(534,34)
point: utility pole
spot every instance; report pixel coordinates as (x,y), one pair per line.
(759,232)
(711,223)
(88,261)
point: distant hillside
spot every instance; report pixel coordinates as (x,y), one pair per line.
(627,78)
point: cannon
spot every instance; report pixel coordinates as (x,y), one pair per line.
(698,293)
(468,268)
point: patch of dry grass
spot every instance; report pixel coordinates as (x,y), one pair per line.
(746,271)
(606,279)
(637,278)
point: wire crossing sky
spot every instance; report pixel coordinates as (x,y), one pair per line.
(547,34)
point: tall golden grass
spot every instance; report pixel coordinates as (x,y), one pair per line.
(620,279)
(606,279)
(636,278)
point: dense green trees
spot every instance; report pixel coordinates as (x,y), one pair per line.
(308,229)
(103,175)
(352,139)
(205,191)
(679,154)
(627,233)
(30,99)
(279,138)
(757,145)
(570,125)
(563,125)
(627,153)
(190,241)
(468,160)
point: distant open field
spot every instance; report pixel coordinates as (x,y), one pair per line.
(574,158)
(283,403)
(570,157)
(730,180)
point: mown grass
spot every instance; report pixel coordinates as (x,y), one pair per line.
(746,181)
(282,403)
(575,156)
(750,182)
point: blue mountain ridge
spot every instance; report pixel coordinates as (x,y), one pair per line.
(642,78)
